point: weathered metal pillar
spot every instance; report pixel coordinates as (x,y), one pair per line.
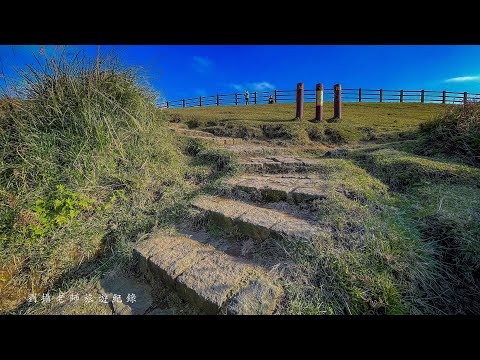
(444,97)
(236,99)
(218,100)
(275,96)
(255,97)
(337,101)
(183,102)
(465,97)
(401,95)
(318,102)
(422,96)
(300,88)
(381,95)
(360,95)
(200,101)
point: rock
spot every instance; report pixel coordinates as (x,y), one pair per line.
(200,274)
(118,283)
(257,222)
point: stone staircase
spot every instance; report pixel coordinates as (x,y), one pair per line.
(266,202)
(203,135)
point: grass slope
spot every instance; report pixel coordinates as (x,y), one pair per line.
(360,121)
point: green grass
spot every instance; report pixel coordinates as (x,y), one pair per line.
(369,257)
(401,169)
(360,121)
(416,232)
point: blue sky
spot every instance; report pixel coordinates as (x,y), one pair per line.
(182,71)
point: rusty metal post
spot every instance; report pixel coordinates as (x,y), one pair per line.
(318,102)
(236,99)
(465,95)
(275,96)
(254,97)
(200,101)
(337,101)
(401,95)
(183,102)
(300,88)
(381,95)
(360,95)
(218,100)
(444,97)
(422,96)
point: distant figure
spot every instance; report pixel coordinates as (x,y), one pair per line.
(246,97)
(270,99)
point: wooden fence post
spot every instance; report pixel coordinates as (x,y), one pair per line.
(444,97)
(236,99)
(401,95)
(422,96)
(465,95)
(318,102)
(200,101)
(300,88)
(218,100)
(167,104)
(275,96)
(255,97)
(360,95)
(337,101)
(381,95)
(183,102)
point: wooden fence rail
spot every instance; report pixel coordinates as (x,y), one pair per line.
(348,95)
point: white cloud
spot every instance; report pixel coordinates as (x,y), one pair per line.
(255,86)
(238,87)
(262,86)
(463,79)
(201,64)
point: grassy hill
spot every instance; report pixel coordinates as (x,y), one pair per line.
(360,121)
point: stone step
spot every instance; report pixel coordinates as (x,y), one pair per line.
(293,188)
(203,135)
(278,164)
(259,223)
(246,149)
(190,132)
(218,140)
(213,281)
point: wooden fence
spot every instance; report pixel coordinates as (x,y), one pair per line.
(348,95)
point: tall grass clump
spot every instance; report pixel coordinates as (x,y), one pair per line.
(86,164)
(456,132)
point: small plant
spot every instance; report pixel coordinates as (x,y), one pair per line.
(57,210)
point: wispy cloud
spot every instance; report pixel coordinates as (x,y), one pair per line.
(238,87)
(256,86)
(262,86)
(463,79)
(201,64)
